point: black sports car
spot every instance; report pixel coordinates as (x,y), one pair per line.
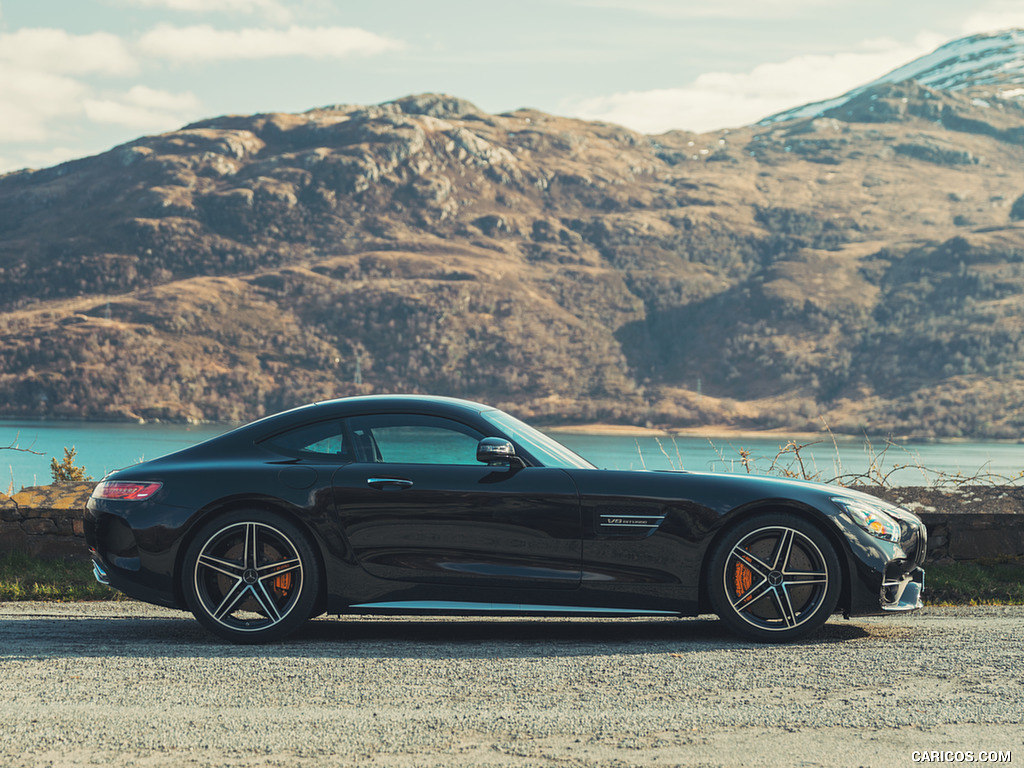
(402,504)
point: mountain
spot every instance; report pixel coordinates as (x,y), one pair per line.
(865,266)
(987,64)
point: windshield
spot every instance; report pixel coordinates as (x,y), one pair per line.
(548,451)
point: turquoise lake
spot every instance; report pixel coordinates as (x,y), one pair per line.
(104,447)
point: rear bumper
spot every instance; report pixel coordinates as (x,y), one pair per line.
(132,558)
(128,582)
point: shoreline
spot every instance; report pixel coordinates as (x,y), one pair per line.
(713,432)
(597,429)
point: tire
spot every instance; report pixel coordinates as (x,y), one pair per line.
(250,576)
(774,578)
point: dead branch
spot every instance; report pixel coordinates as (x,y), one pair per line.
(13,446)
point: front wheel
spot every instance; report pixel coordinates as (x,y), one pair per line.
(774,578)
(250,576)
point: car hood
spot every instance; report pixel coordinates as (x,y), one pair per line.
(781,486)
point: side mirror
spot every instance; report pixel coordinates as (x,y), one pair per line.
(496,451)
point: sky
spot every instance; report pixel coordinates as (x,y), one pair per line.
(78,77)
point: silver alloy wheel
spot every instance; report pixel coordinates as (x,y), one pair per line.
(248,576)
(775,578)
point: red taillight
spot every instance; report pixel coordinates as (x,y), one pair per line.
(125,491)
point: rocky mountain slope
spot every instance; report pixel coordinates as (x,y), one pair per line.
(865,266)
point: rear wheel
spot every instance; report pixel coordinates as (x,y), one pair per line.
(774,578)
(250,576)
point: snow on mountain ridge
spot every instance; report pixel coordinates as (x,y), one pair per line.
(983,59)
(977,60)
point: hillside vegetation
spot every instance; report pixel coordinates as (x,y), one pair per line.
(866,266)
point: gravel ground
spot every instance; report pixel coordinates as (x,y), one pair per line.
(123,684)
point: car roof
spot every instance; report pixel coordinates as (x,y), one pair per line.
(344,406)
(406,400)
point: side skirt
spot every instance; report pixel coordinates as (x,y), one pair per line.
(460,607)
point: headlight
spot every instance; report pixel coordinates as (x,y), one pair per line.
(870,518)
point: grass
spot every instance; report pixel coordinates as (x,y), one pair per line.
(986,582)
(983,582)
(24,577)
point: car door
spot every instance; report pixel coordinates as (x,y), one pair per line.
(417,506)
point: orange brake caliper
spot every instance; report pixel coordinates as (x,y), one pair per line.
(743,578)
(282,584)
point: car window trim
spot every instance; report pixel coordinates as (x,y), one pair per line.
(267,443)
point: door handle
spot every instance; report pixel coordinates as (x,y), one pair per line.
(389,483)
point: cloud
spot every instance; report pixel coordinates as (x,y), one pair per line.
(30,99)
(721,9)
(54,85)
(59,52)
(143,108)
(995,17)
(204,43)
(722,99)
(39,158)
(272,10)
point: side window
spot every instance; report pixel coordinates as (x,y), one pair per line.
(410,439)
(324,439)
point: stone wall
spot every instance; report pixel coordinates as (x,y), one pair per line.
(966,524)
(970,523)
(45,521)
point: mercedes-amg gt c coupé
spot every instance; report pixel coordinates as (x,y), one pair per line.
(431,505)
